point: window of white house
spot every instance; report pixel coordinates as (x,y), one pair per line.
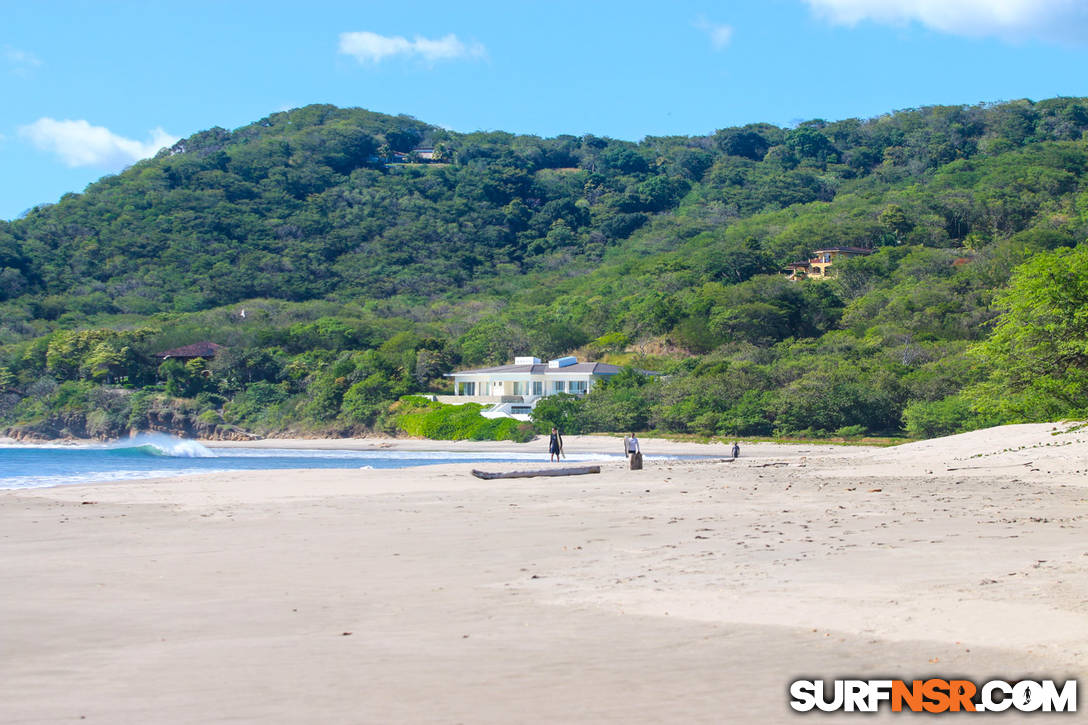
(578,387)
(558,386)
(521,388)
(467,388)
(538,387)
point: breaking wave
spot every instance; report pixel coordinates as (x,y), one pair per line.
(160,444)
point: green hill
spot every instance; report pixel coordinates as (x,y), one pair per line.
(367,269)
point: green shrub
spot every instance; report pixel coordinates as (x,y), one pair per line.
(425,418)
(100,424)
(140,404)
(257,404)
(954,414)
(560,411)
(210,417)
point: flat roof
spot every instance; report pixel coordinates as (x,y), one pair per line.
(855,250)
(594,368)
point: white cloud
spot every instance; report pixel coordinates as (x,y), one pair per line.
(367,47)
(20,62)
(720,35)
(1062,20)
(78,143)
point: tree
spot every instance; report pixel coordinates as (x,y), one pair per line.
(895,221)
(431,365)
(619,405)
(810,144)
(183,380)
(491,342)
(747,144)
(366,400)
(737,261)
(954,414)
(1038,351)
(12,283)
(661,192)
(560,411)
(105,362)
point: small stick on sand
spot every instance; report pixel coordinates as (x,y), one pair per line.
(1002,465)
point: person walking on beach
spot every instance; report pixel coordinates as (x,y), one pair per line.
(736,449)
(634,452)
(555,445)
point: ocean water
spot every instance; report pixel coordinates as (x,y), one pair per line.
(156,455)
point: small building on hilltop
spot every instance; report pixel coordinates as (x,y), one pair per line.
(513,390)
(206,350)
(419,155)
(819,266)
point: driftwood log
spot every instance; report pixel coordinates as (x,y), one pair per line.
(576,471)
(997,465)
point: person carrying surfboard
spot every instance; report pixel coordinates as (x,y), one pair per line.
(555,444)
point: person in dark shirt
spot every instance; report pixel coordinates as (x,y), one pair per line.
(555,445)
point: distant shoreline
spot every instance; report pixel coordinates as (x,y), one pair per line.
(596,443)
(378,442)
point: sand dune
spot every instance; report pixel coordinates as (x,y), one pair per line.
(691,591)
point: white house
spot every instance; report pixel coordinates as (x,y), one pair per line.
(513,390)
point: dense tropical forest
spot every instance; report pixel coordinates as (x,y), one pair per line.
(344,271)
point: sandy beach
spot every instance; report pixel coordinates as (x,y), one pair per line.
(690,591)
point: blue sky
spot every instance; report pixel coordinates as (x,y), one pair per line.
(89,87)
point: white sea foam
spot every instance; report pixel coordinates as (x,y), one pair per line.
(98,477)
(160,444)
(164,445)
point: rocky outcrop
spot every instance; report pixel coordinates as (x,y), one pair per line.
(75,426)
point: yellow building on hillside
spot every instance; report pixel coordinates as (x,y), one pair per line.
(819,266)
